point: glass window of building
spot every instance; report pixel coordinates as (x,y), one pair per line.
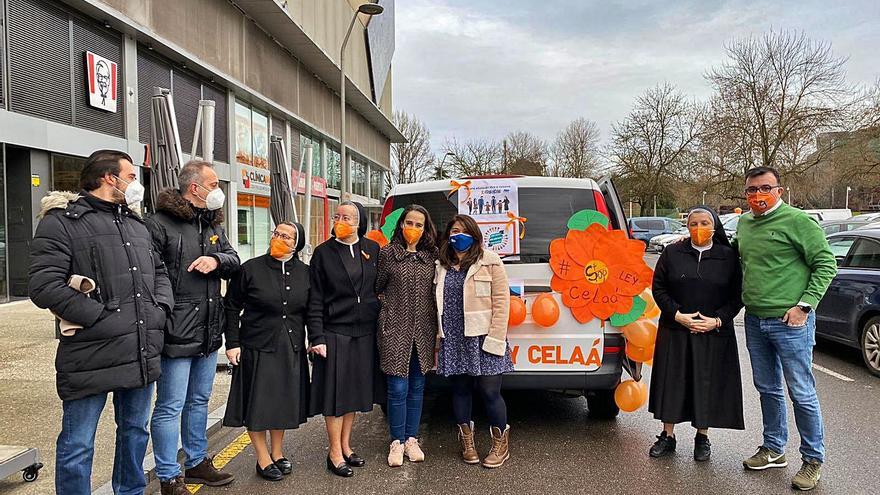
(358,178)
(334,173)
(244,146)
(316,154)
(261,140)
(377,183)
(66,171)
(254,225)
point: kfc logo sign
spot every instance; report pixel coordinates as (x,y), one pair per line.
(101,77)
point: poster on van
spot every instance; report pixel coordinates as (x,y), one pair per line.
(494,204)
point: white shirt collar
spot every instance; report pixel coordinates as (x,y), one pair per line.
(771,210)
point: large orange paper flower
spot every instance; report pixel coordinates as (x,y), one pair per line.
(598,272)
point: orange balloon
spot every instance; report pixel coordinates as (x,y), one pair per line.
(651,310)
(378,236)
(642,332)
(639,354)
(630,395)
(545,310)
(517,313)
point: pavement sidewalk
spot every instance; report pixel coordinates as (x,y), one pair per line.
(30,410)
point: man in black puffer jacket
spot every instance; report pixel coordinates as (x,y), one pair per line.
(117,345)
(188,235)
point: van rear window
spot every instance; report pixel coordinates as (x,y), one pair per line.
(547,211)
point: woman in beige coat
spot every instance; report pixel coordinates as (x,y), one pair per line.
(473,301)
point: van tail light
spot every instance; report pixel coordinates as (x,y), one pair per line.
(387,209)
(613,349)
(601,206)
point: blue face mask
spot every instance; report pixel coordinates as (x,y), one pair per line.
(461,242)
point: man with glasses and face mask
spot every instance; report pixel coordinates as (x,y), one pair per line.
(787,266)
(117,332)
(188,234)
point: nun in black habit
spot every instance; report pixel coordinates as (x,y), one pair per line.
(342,315)
(696,374)
(266,307)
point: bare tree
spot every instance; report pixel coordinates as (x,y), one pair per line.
(576,150)
(774,95)
(477,157)
(525,153)
(654,146)
(413,160)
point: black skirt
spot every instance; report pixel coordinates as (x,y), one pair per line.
(696,378)
(270,390)
(343,382)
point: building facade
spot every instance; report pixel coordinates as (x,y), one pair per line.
(78,75)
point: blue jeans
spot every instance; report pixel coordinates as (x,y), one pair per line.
(778,350)
(182,412)
(76,442)
(405,396)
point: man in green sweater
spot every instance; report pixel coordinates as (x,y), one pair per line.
(787,266)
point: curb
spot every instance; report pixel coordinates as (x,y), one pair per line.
(215,424)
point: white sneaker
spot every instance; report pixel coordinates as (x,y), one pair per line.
(413,451)
(395,454)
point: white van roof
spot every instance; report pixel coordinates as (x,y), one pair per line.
(521,181)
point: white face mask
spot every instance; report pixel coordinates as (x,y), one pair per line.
(134,193)
(215,199)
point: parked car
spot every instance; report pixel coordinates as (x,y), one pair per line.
(660,242)
(830,214)
(645,228)
(850,311)
(541,355)
(835,226)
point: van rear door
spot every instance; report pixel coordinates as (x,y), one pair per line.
(615,208)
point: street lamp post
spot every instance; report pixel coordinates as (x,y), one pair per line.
(848,189)
(370,9)
(704,197)
(438,173)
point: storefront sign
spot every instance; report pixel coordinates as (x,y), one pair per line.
(255,180)
(319,184)
(101,77)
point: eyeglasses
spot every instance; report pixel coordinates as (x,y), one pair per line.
(344,218)
(282,236)
(766,188)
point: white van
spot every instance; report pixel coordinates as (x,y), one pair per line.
(557,357)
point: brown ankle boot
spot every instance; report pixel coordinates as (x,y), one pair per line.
(500,448)
(174,486)
(206,474)
(468,450)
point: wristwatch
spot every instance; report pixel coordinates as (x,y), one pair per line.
(805,308)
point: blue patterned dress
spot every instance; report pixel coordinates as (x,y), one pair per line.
(460,355)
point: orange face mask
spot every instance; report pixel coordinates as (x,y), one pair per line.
(412,234)
(701,235)
(279,249)
(342,230)
(761,202)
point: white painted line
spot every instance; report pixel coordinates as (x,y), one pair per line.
(832,373)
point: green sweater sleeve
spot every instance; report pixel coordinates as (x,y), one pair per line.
(813,246)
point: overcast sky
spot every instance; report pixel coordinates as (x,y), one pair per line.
(479,69)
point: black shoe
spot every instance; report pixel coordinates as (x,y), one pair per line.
(284,466)
(664,446)
(341,470)
(702,448)
(354,460)
(271,472)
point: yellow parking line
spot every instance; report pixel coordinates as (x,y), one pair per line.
(226,455)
